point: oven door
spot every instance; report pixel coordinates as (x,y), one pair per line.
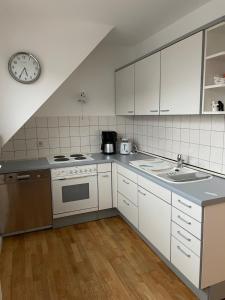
(75,194)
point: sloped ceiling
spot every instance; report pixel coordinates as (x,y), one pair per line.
(60,43)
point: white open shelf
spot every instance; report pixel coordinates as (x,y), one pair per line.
(218,55)
(214,86)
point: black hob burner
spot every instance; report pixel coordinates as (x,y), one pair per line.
(62,159)
(77,155)
(80,158)
(59,156)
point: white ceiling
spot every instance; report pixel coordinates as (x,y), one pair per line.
(134,20)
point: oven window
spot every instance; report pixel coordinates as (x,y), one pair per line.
(75,192)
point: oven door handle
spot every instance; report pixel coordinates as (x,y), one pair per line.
(75,177)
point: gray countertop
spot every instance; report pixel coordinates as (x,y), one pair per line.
(203,193)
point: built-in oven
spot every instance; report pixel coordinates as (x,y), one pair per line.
(74,190)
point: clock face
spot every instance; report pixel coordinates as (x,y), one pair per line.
(24,67)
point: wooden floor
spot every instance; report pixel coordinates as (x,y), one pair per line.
(97,260)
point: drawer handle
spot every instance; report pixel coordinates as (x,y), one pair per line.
(141,193)
(183,220)
(130,111)
(154,110)
(184,204)
(126,203)
(105,175)
(125,181)
(182,251)
(183,236)
(164,110)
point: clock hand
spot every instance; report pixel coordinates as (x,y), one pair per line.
(21,73)
(26,71)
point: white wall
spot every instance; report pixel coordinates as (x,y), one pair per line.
(61,44)
(203,15)
(96,77)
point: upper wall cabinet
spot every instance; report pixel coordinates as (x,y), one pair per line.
(181,69)
(147,85)
(125,91)
(214,81)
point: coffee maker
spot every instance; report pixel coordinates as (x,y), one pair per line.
(109,139)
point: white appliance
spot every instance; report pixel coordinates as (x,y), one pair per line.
(74,190)
(69,158)
(125,147)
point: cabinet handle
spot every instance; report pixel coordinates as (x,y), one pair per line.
(183,236)
(154,110)
(183,220)
(182,251)
(164,110)
(184,204)
(105,175)
(125,181)
(126,203)
(141,193)
(130,111)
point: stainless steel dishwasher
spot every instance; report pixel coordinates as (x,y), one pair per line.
(25,202)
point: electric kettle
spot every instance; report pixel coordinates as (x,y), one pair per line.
(125,147)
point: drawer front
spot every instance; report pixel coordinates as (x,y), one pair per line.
(188,223)
(128,209)
(127,188)
(188,207)
(104,167)
(155,189)
(127,173)
(186,238)
(185,261)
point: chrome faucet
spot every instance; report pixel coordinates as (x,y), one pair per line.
(180,161)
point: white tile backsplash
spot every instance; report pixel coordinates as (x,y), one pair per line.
(201,139)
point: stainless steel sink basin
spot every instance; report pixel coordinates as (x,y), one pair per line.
(184,175)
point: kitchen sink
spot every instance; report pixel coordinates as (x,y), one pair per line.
(168,171)
(183,175)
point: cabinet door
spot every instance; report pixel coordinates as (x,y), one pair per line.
(125,91)
(154,221)
(181,66)
(105,190)
(147,85)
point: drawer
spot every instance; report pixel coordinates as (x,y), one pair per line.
(155,189)
(186,238)
(186,222)
(127,188)
(104,168)
(127,173)
(188,207)
(128,209)
(185,261)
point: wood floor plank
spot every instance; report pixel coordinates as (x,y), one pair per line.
(99,260)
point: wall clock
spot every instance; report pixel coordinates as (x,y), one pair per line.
(24,67)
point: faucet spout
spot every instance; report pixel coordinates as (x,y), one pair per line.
(180,161)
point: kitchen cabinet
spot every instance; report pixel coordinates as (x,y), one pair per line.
(154,220)
(181,72)
(128,210)
(127,188)
(125,91)
(104,186)
(147,85)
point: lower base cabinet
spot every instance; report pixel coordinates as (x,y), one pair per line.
(185,261)
(128,210)
(154,221)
